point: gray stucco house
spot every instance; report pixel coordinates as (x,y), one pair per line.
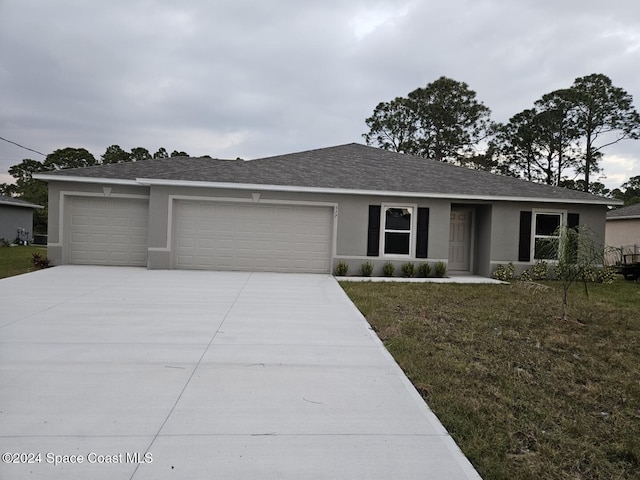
(305,212)
(16,215)
(623,229)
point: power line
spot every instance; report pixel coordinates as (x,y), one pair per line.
(22,146)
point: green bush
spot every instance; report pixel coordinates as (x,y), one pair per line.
(500,273)
(588,274)
(440,269)
(424,269)
(606,274)
(504,273)
(388,269)
(540,270)
(525,276)
(366,269)
(408,270)
(342,268)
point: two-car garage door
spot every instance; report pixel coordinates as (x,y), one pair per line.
(251,237)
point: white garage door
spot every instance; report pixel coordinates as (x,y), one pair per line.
(252,237)
(107,231)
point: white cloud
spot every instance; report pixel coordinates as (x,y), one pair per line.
(6,178)
(618,169)
(369,18)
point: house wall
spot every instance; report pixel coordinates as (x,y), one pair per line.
(12,218)
(353,224)
(57,193)
(505,228)
(495,229)
(622,232)
(351,221)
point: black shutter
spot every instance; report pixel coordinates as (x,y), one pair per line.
(573,220)
(422,239)
(524,247)
(373,236)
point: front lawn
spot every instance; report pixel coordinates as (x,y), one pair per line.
(17,260)
(525,394)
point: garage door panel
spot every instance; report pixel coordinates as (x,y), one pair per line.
(120,222)
(98,238)
(228,236)
(139,240)
(79,220)
(106,231)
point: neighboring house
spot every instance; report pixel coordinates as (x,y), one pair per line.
(305,212)
(16,219)
(623,229)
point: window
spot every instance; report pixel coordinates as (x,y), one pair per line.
(397,230)
(545,238)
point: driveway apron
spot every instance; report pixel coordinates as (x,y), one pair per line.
(128,373)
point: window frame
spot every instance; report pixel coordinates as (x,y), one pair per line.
(534,236)
(411,232)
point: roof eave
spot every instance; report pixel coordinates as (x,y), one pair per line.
(23,205)
(306,189)
(625,217)
(348,191)
(80,179)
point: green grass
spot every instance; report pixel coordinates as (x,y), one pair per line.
(17,260)
(525,394)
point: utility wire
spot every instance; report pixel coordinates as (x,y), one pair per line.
(22,146)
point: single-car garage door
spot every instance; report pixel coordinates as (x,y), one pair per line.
(107,231)
(252,237)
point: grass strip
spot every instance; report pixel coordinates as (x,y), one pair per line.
(525,394)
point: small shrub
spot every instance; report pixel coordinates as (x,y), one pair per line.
(588,274)
(440,269)
(388,269)
(39,261)
(342,268)
(408,269)
(510,270)
(504,273)
(424,269)
(4,242)
(525,276)
(606,274)
(500,273)
(366,269)
(540,270)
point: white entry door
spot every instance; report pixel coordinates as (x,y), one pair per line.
(460,241)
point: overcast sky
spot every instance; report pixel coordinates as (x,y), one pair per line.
(257,78)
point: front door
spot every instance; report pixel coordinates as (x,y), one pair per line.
(460,241)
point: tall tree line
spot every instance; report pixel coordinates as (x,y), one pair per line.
(35,191)
(565,131)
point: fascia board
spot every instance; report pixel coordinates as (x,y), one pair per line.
(77,179)
(23,205)
(627,217)
(347,191)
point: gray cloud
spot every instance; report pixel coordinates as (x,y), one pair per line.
(253,78)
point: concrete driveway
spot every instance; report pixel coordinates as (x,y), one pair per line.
(128,373)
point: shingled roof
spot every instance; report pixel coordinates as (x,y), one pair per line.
(351,168)
(16,202)
(632,211)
